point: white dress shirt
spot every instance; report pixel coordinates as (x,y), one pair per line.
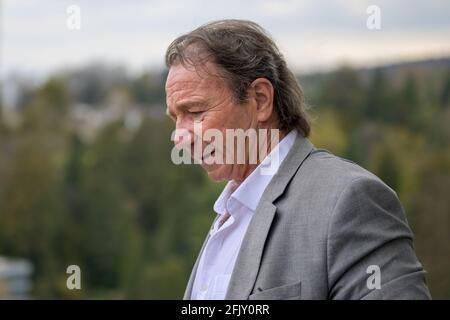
(240,201)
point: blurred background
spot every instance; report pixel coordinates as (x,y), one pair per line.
(85,172)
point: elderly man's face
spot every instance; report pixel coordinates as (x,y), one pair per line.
(198,97)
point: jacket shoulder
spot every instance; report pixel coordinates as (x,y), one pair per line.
(318,185)
(324,166)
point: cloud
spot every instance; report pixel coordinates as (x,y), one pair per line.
(311,33)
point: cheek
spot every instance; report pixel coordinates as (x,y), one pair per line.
(228,118)
(240,117)
(213,122)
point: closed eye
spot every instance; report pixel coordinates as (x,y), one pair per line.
(195,112)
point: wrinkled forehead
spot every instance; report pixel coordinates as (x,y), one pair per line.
(188,79)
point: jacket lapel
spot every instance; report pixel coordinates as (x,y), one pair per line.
(249,258)
(247,263)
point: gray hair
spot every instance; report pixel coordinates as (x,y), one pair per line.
(243,52)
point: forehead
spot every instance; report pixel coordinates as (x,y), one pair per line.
(183,82)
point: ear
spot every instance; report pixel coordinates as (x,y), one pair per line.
(262,91)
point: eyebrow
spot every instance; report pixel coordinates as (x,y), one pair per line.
(189,103)
(184,105)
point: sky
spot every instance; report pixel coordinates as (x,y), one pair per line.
(313,35)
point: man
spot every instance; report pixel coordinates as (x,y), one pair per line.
(318,227)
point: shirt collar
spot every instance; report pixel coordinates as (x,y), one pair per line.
(250,191)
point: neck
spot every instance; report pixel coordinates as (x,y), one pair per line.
(267,144)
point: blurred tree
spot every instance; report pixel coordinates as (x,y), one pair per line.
(107,224)
(148,89)
(408,109)
(380,105)
(445,93)
(430,214)
(1,108)
(92,83)
(327,132)
(345,92)
(30,219)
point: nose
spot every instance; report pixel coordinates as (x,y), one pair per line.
(184,136)
(181,138)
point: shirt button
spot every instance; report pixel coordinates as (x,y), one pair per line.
(204,287)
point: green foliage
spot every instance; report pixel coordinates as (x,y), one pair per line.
(148,89)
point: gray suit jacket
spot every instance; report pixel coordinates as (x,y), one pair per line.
(321,224)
